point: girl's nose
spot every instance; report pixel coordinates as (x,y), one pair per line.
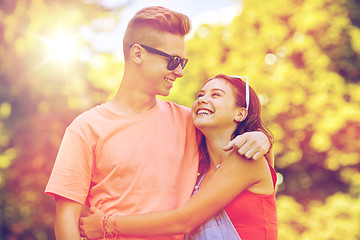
(202,99)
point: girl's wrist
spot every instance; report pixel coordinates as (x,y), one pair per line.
(108,226)
(112,224)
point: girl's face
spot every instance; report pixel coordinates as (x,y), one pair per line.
(215,106)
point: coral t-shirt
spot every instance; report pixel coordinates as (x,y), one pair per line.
(128,164)
(254,216)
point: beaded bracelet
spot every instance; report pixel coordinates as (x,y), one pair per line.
(115,226)
(104,227)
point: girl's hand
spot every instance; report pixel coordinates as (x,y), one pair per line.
(90,226)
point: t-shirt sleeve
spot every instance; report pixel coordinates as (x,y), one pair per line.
(71,175)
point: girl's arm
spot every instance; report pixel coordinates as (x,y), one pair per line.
(234,176)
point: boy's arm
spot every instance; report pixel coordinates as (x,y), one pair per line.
(270,157)
(251,144)
(67,219)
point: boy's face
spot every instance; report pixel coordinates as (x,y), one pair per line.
(159,79)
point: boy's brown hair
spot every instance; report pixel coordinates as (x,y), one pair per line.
(148,23)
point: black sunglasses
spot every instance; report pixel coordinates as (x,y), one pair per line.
(173,61)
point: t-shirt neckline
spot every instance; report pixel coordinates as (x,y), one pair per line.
(151,111)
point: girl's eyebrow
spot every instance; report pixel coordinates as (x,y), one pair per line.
(213,90)
(217,89)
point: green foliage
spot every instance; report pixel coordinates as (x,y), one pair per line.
(336,219)
(302,57)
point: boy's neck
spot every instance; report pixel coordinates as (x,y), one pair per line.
(130,99)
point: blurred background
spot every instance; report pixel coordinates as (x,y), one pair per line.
(60,58)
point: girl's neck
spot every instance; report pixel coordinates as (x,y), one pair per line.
(215,142)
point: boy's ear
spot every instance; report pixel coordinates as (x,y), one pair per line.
(136,54)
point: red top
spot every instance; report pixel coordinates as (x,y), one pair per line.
(254,215)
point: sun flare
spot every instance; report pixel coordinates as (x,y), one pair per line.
(62,47)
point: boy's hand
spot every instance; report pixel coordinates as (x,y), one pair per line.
(250,144)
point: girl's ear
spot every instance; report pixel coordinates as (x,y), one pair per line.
(241,114)
(136,54)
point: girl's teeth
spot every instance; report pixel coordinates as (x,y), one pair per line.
(206,112)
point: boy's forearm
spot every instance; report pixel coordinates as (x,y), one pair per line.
(270,157)
(67,220)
